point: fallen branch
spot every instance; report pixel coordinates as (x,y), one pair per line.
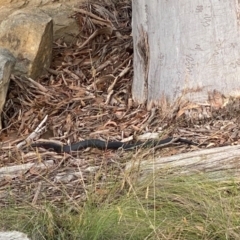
(18,170)
(220,163)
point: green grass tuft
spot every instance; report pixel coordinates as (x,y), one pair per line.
(190,207)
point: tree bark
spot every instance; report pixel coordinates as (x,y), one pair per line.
(219,163)
(185,50)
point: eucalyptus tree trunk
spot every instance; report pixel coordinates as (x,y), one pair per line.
(185,50)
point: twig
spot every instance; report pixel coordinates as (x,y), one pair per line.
(153,113)
(106,31)
(38,85)
(124,71)
(34,134)
(107,22)
(37,193)
(174,140)
(109,97)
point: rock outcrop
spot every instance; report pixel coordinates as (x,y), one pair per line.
(28,34)
(60,11)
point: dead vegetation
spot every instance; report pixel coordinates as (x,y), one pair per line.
(86,94)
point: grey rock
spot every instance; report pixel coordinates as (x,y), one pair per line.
(28,34)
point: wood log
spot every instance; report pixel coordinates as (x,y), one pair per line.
(18,170)
(219,163)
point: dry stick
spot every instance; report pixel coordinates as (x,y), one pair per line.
(52,71)
(92,15)
(97,22)
(106,30)
(122,64)
(109,97)
(153,113)
(124,71)
(74,76)
(143,137)
(104,65)
(100,80)
(82,180)
(64,80)
(35,198)
(38,85)
(34,134)
(174,140)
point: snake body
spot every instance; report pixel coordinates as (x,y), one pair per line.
(103,145)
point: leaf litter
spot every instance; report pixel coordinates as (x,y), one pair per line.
(86,93)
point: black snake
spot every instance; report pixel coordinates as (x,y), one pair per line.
(96,143)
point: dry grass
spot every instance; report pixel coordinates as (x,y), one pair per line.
(162,208)
(86,94)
